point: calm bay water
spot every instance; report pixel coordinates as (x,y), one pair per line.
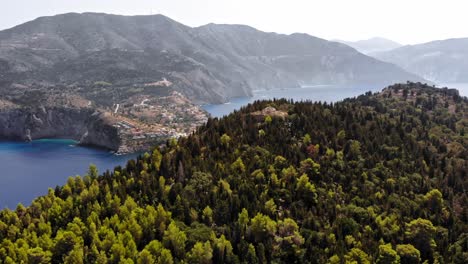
(324,93)
(27,170)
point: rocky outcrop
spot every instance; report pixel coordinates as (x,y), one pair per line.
(269,111)
(86,125)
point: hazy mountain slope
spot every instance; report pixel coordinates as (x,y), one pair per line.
(372,45)
(438,61)
(85,48)
(209,63)
(308,59)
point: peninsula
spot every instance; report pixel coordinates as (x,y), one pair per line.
(132,125)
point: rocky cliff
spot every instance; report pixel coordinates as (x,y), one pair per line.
(88,126)
(134,125)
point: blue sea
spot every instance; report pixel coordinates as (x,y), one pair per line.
(27,170)
(324,93)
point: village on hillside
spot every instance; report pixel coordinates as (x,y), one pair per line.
(143,121)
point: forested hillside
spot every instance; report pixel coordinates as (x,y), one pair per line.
(376,179)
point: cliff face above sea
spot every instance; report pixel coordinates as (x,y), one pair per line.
(86,125)
(134,125)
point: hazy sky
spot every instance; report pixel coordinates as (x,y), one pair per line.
(405,21)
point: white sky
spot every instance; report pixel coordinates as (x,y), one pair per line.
(405,21)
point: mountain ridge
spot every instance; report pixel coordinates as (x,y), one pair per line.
(210,63)
(438,61)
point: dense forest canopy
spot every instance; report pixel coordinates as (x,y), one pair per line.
(380,178)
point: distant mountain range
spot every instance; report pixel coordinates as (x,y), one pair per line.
(438,61)
(372,45)
(208,64)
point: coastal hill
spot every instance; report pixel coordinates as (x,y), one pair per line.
(380,178)
(210,63)
(443,61)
